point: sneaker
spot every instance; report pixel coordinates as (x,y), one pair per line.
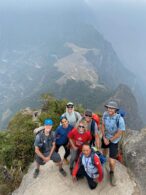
(66,161)
(112,179)
(62,171)
(36,173)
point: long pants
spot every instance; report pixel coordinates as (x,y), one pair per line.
(67,150)
(74,157)
(82,173)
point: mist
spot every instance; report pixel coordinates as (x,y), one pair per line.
(31,31)
(123,23)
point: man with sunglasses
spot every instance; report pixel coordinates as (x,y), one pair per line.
(113,126)
(77,137)
(93,128)
(72,116)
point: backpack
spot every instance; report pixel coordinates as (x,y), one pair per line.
(98,153)
(38,129)
(122,114)
(95,119)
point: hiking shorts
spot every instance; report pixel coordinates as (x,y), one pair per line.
(113,149)
(55,157)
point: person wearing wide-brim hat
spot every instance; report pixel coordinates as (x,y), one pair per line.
(113,126)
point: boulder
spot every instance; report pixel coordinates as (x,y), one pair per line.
(134,149)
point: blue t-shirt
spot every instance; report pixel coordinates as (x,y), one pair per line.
(112,124)
(61,134)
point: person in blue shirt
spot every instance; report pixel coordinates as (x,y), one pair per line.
(113,126)
(61,134)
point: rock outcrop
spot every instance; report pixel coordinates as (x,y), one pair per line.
(134,147)
(51,182)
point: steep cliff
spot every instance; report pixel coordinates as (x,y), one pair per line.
(134,148)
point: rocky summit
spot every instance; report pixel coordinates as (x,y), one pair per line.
(51,182)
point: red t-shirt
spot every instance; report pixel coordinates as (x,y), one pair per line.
(79,139)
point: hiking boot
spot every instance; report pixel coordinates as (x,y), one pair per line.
(62,171)
(66,161)
(112,179)
(36,173)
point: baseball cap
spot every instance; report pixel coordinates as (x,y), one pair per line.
(48,122)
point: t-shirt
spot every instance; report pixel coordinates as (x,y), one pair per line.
(61,134)
(44,142)
(73,117)
(79,139)
(112,124)
(89,167)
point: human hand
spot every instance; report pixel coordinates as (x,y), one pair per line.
(74,179)
(46,159)
(106,141)
(75,148)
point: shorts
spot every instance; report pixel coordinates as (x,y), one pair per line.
(55,157)
(113,149)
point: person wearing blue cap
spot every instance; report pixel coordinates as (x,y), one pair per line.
(45,148)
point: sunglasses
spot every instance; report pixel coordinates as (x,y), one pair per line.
(69,106)
(109,108)
(87,115)
(80,126)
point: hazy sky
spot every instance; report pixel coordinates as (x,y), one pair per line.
(122,22)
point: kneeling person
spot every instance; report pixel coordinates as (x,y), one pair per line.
(88,167)
(45,148)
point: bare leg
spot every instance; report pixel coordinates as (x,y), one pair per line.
(112,164)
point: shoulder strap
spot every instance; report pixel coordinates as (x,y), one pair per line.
(117,120)
(80,159)
(42,136)
(93,127)
(92,157)
(76,116)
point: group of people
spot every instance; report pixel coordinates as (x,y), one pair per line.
(78,134)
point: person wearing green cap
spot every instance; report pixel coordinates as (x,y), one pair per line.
(45,148)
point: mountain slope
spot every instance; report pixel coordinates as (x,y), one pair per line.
(49,57)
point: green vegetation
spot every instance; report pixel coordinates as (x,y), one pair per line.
(16,144)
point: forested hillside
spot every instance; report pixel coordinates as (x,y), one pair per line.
(16,143)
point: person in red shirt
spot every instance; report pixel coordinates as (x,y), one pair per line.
(88,166)
(77,137)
